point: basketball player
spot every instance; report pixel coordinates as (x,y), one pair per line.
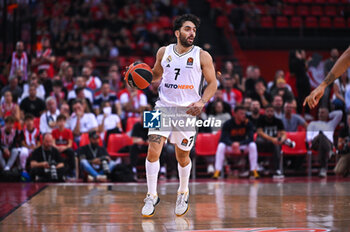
(338,69)
(178,64)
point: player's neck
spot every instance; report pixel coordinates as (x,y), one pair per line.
(181,49)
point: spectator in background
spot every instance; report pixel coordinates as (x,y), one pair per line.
(260,94)
(9,108)
(48,118)
(64,109)
(92,82)
(271,136)
(45,58)
(33,80)
(11,145)
(95,160)
(292,121)
(231,95)
(273,84)
(133,101)
(43,158)
(252,76)
(19,61)
(114,78)
(247,101)
(68,78)
(31,134)
(237,134)
(218,96)
(46,81)
(282,90)
(63,142)
(340,87)
(320,135)
(255,115)
(90,50)
(32,104)
(297,69)
(329,63)
(13,87)
(81,122)
(108,122)
(277,104)
(81,83)
(57,92)
(219,114)
(106,94)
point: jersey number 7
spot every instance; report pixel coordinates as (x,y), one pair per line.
(177,72)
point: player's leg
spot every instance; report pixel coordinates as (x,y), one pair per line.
(184,167)
(155,146)
(220,158)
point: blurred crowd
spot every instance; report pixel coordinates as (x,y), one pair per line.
(56,117)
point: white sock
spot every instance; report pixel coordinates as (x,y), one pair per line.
(152,170)
(184,176)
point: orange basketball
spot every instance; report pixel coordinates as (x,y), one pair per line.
(139,75)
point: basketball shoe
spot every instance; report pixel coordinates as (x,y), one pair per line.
(149,207)
(181,207)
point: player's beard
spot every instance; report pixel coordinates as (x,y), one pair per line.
(184,41)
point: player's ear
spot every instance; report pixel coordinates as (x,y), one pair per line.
(177,33)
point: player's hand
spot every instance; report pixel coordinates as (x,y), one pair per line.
(314,97)
(195,108)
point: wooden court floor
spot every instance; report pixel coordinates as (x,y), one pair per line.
(214,206)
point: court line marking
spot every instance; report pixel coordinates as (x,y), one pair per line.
(22,203)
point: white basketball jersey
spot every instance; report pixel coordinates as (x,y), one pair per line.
(182,77)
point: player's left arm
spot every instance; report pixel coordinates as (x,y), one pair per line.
(209,75)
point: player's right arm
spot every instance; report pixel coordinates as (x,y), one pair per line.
(157,68)
(338,69)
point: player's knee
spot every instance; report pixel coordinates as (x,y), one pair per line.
(153,153)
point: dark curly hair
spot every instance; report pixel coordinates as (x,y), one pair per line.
(186,17)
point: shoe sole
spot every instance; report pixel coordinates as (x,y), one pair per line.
(179,215)
(151,215)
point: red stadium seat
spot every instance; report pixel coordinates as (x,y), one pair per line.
(266,22)
(299,138)
(116,142)
(131,122)
(330,11)
(206,144)
(325,22)
(296,22)
(339,22)
(282,22)
(334,1)
(288,10)
(311,22)
(84,140)
(348,22)
(316,10)
(303,10)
